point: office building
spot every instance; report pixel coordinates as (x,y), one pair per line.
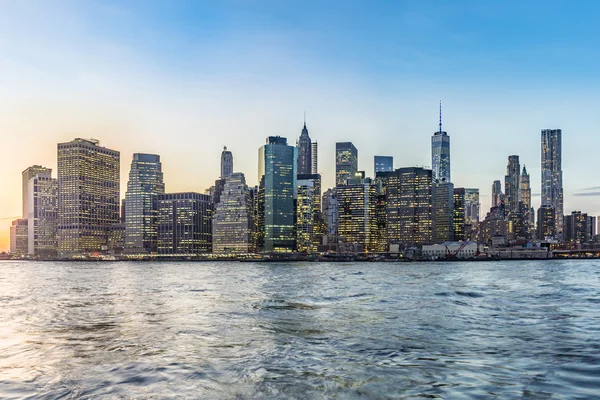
(144,186)
(472,207)
(314,164)
(528,217)
(443,212)
(304,152)
(26,176)
(184,223)
(440,154)
(279,162)
(552,184)
(88,197)
(226,163)
(346,162)
(512,186)
(233,223)
(383,164)
(546,224)
(409,205)
(309,220)
(497,195)
(330,211)
(576,227)
(357,215)
(42,214)
(18,238)
(459,219)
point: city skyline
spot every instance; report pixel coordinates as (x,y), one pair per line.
(137,94)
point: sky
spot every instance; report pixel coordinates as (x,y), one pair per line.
(184,78)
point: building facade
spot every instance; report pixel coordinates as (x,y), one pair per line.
(443,212)
(279,161)
(577,228)
(88,197)
(472,208)
(42,215)
(141,214)
(346,162)
(357,222)
(440,154)
(497,195)
(314,164)
(460,212)
(383,164)
(226,163)
(512,185)
(26,175)
(232,223)
(184,223)
(18,238)
(546,225)
(304,152)
(552,183)
(309,218)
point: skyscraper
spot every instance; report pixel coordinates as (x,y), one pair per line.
(304,152)
(528,217)
(383,164)
(576,227)
(184,223)
(279,161)
(357,222)
(141,214)
(440,154)
(26,175)
(346,162)
(546,224)
(497,195)
(459,220)
(330,211)
(226,163)
(18,237)
(314,165)
(512,187)
(552,184)
(308,212)
(42,213)
(409,205)
(88,197)
(443,212)
(232,223)
(471,208)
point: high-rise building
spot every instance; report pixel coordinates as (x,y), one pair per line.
(529,217)
(279,174)
(141,214)
(576,226)
(42,214)
(440,154)
(383,164)
(357,222)
(592,226)
(472,208)
(546,224)
(443,212)
(314,164)
(232,223)
(459,220)
(497,195)
(512,186)
(226,163)
(304,152)
(552,184)
(88,197)
(18,238)
(346,162)
(309,219)
(26,176)
(184,223)
(330,211)
(409,205)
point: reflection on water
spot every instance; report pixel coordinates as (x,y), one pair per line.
(243,330)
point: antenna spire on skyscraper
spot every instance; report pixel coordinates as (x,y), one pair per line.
(440,117)
(305,119)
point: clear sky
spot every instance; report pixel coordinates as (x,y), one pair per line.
(183,78)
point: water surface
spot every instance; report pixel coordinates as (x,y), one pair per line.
(301,330)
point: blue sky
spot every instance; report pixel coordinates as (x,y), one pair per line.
(184,78)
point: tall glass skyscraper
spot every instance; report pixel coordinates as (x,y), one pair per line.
(141,213)
(440,154)
(346,162)
(308,212)
(512,185)
(226,163)
(304,152)
(552,184)
(383,164)
(88,197)
(279,162)
(497,195)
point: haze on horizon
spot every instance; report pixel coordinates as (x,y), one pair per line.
(183,79)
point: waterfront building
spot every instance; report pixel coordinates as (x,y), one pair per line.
(472,207)
(314,164)
(512,187)
(546,224)
(383,164)
(494,229)
(440,154)
(576,227)
(330,211)
(460,212)
(304,153)
(18,238)
(141,214)
(552,183)
(232,223)
(279,161)
(528,214)
(309,218)
(26,175)
(184,223)
(441,250)
(346,162)
(443,212)
(497,195)
(42,214)
(88,197)
(592,226)
(408,194)
(357,215)
(226,163)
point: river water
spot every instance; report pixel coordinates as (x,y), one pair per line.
(300,330)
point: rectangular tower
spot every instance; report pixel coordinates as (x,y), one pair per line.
(42,214)
(346,162)
(26,176)
(383,164)
(552,184)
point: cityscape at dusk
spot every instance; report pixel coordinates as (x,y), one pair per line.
(282,199)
